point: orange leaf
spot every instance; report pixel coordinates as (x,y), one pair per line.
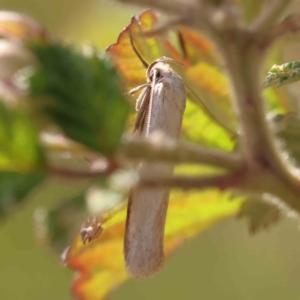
(124,58)
(101,265)
(206,85)
(198,127)
(196,47)
(211,88)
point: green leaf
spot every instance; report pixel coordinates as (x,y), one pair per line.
(14,188)
(263,212)
(287,128)
(62,222)
(81,95)
(19,146)
(198,127)
(283,74)
(259,213)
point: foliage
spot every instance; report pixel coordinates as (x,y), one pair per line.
(283,74)
(86,101)
(20,150)
(14,187)
(71,100)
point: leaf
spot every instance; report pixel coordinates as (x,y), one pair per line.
(123,56)
(287,128)
(205,84)
(280,75)
(211,92)
(198,127)
(265,210)
(21,156)
(100,263)
(14,188)
(19,145)
(196,47)
(58,226)
(261,214)
(81,95)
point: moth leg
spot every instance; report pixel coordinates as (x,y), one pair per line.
(142,97)
(135,90)
(142,108)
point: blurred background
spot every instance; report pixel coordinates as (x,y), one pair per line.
(225,262)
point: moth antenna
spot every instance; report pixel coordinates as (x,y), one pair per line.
(151,102)
(136,52)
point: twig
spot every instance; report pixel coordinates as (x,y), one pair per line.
(290,24)
(83,175)
(243,69)
(257,141)
(270,12)
(54,142)
(222,182)
(180,7)
(164,26)
(162,148)
(196,13)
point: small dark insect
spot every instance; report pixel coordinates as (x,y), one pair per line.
(90,230)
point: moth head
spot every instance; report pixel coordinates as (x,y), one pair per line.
(161,68)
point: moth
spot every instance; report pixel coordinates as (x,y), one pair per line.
(160,107)
(90,229)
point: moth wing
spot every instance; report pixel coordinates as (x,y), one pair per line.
(168,106)
(147,208)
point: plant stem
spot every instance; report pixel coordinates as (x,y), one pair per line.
(60,144)
(258,143)
(243,69)
(222,182)
(193,12)
(291,24)
(82,174)
(270,13)
(177,152)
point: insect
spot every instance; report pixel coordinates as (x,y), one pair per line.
(90,229)
(160,107)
